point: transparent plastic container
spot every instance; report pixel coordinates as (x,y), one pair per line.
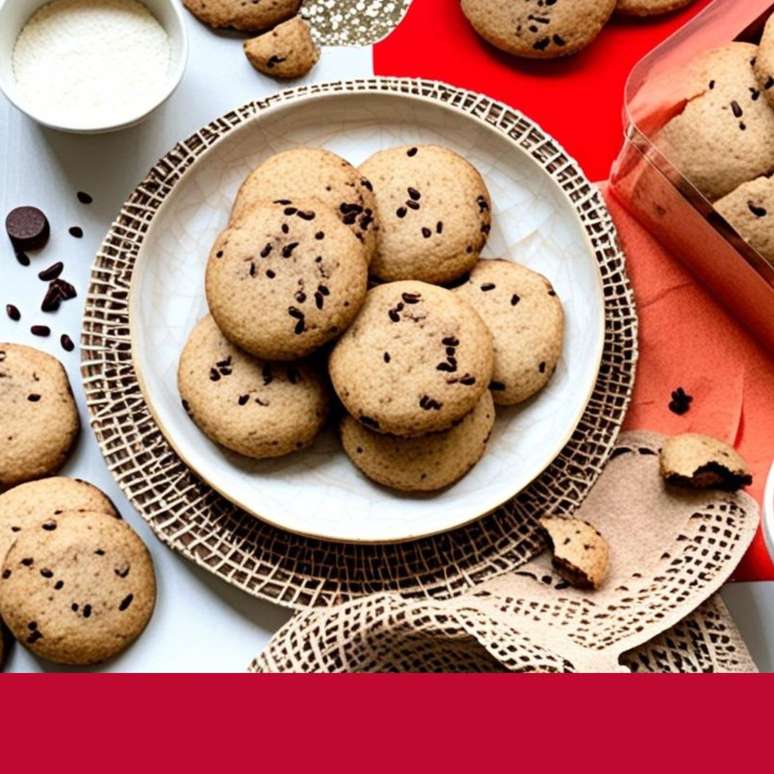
(664,201)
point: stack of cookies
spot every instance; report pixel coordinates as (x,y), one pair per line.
(723,140)
(417,362)
(76,583)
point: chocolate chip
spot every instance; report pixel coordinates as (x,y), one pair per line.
(369,422)
(366,184)
(429,404)
(559,40)
(275,60)
(87,611)
(266,250)
(46,573)
(426,233)
(122,571)
(287,251)
(496,386)
(450,341)
(27,228)
(769,83)
(270,274)
(40,330)
(125,602)
(488,286)
(320,235)
(66,342)
(22,258)
(401,212)
(28,562)
(74,607)
(290,211)
(75,231)
(514,300)
(285,228)
(542,367)
(412,204)
(84,198)
(737,110)
(6,574)
(756,210)
(393,315)
(542,44)
(411,298)
(34,637)
(282,201)
(308,215)
(319,301)
(59,585)
(13,312)
(681,401)
(51,300)
(712,84)
(482,203)
(439,227)
(52,272)
(411,152)
(49,526)
(300,296)
(754,93)
(414,194)
(219,254)
(386,357)
(214,375)
(33,398)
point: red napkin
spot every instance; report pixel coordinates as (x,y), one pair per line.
(688,340)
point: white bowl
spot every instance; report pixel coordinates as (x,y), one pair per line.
(14,14)
(318,492)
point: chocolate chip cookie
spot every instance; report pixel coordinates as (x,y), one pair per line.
(434,213)
(416,359)
(286,280)
(287,51)
(248,15)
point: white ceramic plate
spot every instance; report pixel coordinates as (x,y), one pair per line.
(318,492)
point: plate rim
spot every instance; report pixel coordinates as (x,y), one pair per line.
(287,100)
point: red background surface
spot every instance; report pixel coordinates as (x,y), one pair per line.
(579,100)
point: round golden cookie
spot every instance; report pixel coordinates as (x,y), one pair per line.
(434,213)
(286,279)
(253,407)
(425,463)
(764,61)
(287,51)
(649,7)
(750,210)
(78,588)
(525,317)
(416,359)
(242,14)
(538,29)
(722,138)
(314,173)
(38,418)
(34,502)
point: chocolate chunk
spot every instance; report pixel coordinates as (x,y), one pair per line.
(488,286)
(52,272)
(40,330)
(84,198)
(13,312)
(681,401)
(27,228)
(514,300)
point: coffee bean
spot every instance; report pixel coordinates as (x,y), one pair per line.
(13,312)
(84,198)
(40,330)
(27,228)
(66,342)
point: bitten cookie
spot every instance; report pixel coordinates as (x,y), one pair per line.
(728,114)
(525,316)
(39,419)
(78,588)
(425,463)
(286,280)
(252,407)
(32,503)
(581,554)
(241,15)
(750,210)
(538,29)
(649,7)
(764,61)
(416,359)
(314,173)
(434,213)
(288,51)
(701,462)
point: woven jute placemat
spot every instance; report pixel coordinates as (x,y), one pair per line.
(300,572)
(670,550)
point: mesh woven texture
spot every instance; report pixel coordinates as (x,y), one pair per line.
(299,572)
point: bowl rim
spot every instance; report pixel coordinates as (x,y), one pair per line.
(372,87)
(15,97)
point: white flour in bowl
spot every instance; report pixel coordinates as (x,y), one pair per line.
(92,63)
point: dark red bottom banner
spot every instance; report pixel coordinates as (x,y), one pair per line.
(401,723)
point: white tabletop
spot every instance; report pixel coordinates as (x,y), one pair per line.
(201,624)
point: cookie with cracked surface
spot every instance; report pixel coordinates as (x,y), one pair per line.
(726,111)
(78,588)
(285,280)
(32,503)
(255,408)
(649,7)
(434,213)
(581,554)
(750,210)
(314,173)
(250,16)
(538,29)
(701,462)
(287,51)
(764,61)
(40,421)
(525,316)
(416,359)
(426,463)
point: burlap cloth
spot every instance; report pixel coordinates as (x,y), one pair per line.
(670,551)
